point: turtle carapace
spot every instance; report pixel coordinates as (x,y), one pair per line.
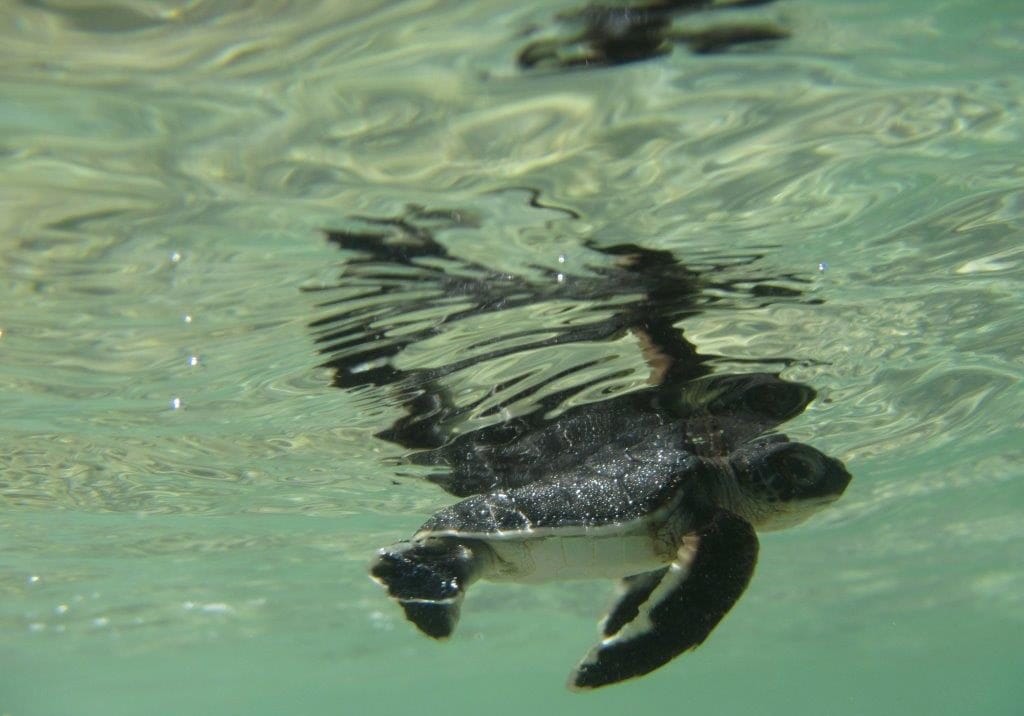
(661,486)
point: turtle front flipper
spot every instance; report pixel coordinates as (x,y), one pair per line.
(636,590)
(655,621)
(428,578)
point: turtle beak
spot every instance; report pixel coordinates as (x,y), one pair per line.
(836,480)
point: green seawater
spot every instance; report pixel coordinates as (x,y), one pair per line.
(187,508)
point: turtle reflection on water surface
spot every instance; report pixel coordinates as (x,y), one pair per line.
(662,486)
(617,34)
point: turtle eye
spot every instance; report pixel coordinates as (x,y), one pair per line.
(796,469)
(800,469)
(785,464)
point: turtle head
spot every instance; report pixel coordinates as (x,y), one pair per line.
(781,483)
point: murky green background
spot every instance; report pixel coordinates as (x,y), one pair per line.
(164,168)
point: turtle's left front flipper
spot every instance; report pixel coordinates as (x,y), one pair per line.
(712,568)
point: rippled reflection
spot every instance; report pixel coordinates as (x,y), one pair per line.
(618,34)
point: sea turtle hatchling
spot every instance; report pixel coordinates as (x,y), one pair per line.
(681,526)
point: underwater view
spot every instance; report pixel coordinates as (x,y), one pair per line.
(687,332)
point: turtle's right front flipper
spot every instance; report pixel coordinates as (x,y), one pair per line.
(636,590)
(657,620)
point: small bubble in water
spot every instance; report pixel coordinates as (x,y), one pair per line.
(175,257)
(560,277)
(822,266)
(561,258)
(176,404)
(187,318)
(34,579)
(193,361)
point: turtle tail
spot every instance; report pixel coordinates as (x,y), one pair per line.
(428,578)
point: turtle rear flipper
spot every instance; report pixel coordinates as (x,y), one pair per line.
(428,579)
(658,619)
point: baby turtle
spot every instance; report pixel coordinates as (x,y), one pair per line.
(681,526)
(661,486)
